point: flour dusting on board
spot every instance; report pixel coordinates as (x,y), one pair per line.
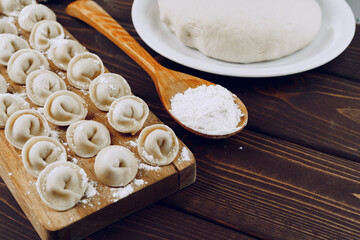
(40,110)
(139,182)
(148,167)
(54,134)
(90,193)
(184,155)
(133,143)
(119,193)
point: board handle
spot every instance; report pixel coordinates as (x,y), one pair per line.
(94,15)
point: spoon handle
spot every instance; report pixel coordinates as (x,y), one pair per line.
(91,13)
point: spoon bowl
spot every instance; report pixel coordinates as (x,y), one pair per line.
(168,83)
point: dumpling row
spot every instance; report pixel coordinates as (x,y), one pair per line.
(82,67)
(126,113)
(116,166)
(60,184)
(29,15)
(45,33)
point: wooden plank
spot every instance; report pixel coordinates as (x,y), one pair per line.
(272,189)
(160,222)
(103,209)
(13,222)
(314,110)
(153,222)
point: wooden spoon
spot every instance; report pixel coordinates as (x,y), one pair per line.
(168,82)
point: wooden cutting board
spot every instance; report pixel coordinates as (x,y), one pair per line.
(108,204)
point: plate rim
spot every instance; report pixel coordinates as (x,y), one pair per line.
(254,72)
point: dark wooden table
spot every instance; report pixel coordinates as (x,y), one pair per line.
(293,173)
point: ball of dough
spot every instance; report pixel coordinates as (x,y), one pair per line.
(23,125)
(158,145)
(243,31)
(106,88)
(128,114)
(34,13)
(39,152)
(63,108)
(41,83)
(61,185)
(86,138)
(116,166)
(44,33)
(84,68)
(24,62)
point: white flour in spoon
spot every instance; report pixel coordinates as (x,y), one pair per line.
(207,109)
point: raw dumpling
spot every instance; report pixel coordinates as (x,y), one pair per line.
(63,108)
(40,84)
(13,7)
(84,68)
(34,13)
(9,104)
(61,185)
(106,88)
(24,62)
(86,138)
(7,27)
(62,51)
(243,31)
(3,84)
(39,152)
(116,166)
(9,44)
(23,125)
(128,114)
(44,32)
(158,145)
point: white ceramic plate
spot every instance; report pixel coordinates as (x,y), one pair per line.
(337,30)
